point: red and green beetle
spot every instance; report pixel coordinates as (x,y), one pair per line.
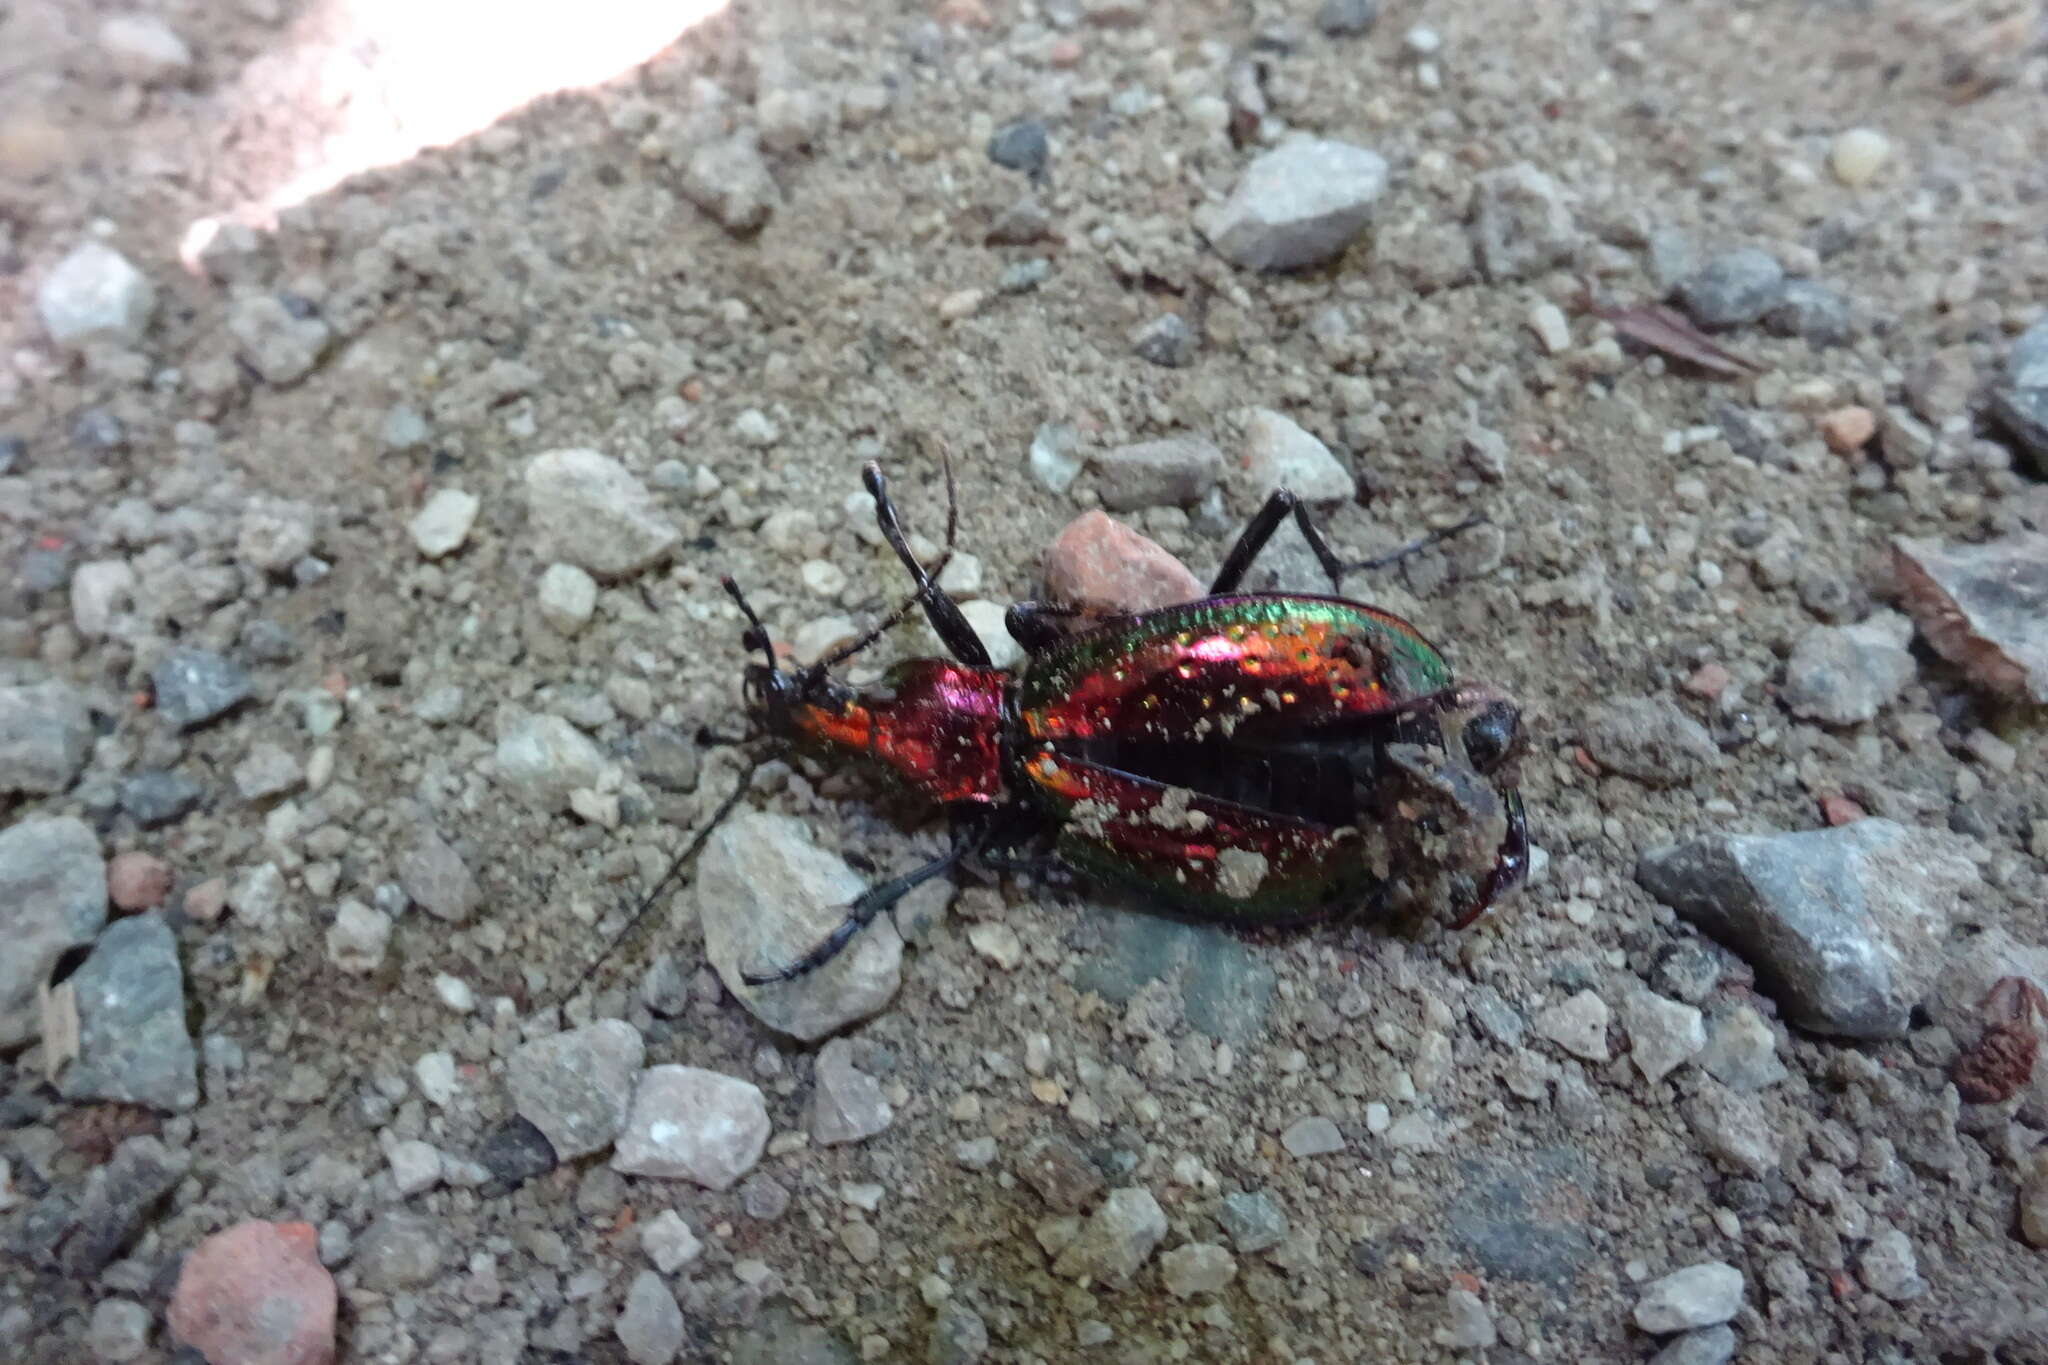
(1253,759)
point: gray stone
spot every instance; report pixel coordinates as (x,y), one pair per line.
(45,738)
(1734,289)
(1280,454)
(1942,384)
(1468,1324)
(1313,1135)
(194,686)
(1064,1178)
(441,526)
(1688,970)
(398,1251)
(133,1047)
(1197,1268)
(1651,740)
(1513,1218)
(959,1336)
(1253,1220)
(1226,987)
(1813,311)
(275,340)
(1521,223)
(1888,1267)
(117,1202)
(2026,365)
(358,938)
(1117,1240)
(847,1103)
(1983,607)
(777,1338)
(1166,340)
(53,897)
(415,1166)
(1021,145)
(119,1331)
(650,1325)
(545,758)
(269,770)
(695,1124)
(767,895)
(1845,927)
(2033,1200)
(567,598)
(1345,18)
(668,1242)
(1844,675)
(1697,1296)
(587,509)
(1300,204)
(144,48)
(577,1086)
(95,293)
(1671,259)
(1741,1051)
(1707,1346)
(1732,1129)
(1578,1025)
(437,880)
(1662,1034)
(729,180)
(1175,472)
(1496,1018)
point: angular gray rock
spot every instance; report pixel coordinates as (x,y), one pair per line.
(45,737)
(1741,1051)
(545,758)
(695,1124)
(1662,1034)
(1297,205)
(650,1325)
(1280,454)
(1734,289)
(847,1103)
(53,896)
(1197,1268)
(276,342)
(959,1336)
(1845,927)
(438,881)
(1844,675)
(132,1043)
(1521,223)
(1697,1296)
(576,1086)
(766,895)
(1175,472)
(193,686)
(588,510)
(1650,740)
(1118,1239)
(1982,607)
(95,292)
(1253,1220)
(729,180)
(1707,1346)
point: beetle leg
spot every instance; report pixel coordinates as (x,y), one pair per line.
(1038,626)
(1281,503)
(939,608)
(970,832)
(1513,864)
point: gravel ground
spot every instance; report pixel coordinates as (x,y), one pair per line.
(361,643)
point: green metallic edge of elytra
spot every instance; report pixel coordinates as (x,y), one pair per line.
(1420,668)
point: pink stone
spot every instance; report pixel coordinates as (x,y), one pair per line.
(1102,565)
(204,902)
(256,1294)
(136,881)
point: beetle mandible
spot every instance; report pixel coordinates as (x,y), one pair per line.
(1244,758)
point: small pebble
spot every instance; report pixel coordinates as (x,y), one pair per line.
(1021,146)
(1548,322)
(1698,1296)
(1312,1136)
(441,526)
(1857,155)
(257,1292)
(137,880)
(567,598)
(1847,430)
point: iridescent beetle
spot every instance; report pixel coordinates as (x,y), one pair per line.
(1245,758)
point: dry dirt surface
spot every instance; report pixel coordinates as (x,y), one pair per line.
(311,641)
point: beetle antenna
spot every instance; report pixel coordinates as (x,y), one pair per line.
(1418,545)
(757,634)
(675,869)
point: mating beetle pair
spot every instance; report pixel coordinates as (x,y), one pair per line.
(1248,758)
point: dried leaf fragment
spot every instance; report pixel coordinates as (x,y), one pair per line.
(1669,331)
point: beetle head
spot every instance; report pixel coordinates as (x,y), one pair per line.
(1481,723)
(1461,799)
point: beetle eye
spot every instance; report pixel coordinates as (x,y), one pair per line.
(1491,735)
